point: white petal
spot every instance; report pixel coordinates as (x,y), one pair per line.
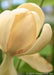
(37,62)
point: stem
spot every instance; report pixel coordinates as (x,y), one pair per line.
(53,51)
(18,65)
(1,56)
(41,3)
(7,67)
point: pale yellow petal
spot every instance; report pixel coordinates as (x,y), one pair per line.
(23,33)
(34,7)
(6,20)
(6,23)
(42,41)
(19,15)
(19,11)
(37,23)
(37,62)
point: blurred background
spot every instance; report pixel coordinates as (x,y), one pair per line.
(48,52)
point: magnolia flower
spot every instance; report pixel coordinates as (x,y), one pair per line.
(19,30)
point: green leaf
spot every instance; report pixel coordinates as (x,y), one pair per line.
(47,50)
(34,1)
(16,60)
(46,2)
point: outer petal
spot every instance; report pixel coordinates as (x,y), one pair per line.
(19,11)
(37,62)
(6,20)
(6,23)
(35,8)
(42,41)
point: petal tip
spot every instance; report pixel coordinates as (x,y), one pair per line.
(48,27)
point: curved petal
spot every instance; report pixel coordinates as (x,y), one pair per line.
(37,62)
(37,23)
(6,20)
(35,8)
(19,11)
(23,31)
(42,41)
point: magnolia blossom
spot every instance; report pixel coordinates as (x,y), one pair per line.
(19,30)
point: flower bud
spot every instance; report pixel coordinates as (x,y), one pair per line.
(20,28)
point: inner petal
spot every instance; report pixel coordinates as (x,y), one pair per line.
(23,33)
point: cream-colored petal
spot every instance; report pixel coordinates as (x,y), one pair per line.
(23,33)
(19,15)
(37,62)
(34,7)
(6,20)
(19,11)
(42,41)
(37,23)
